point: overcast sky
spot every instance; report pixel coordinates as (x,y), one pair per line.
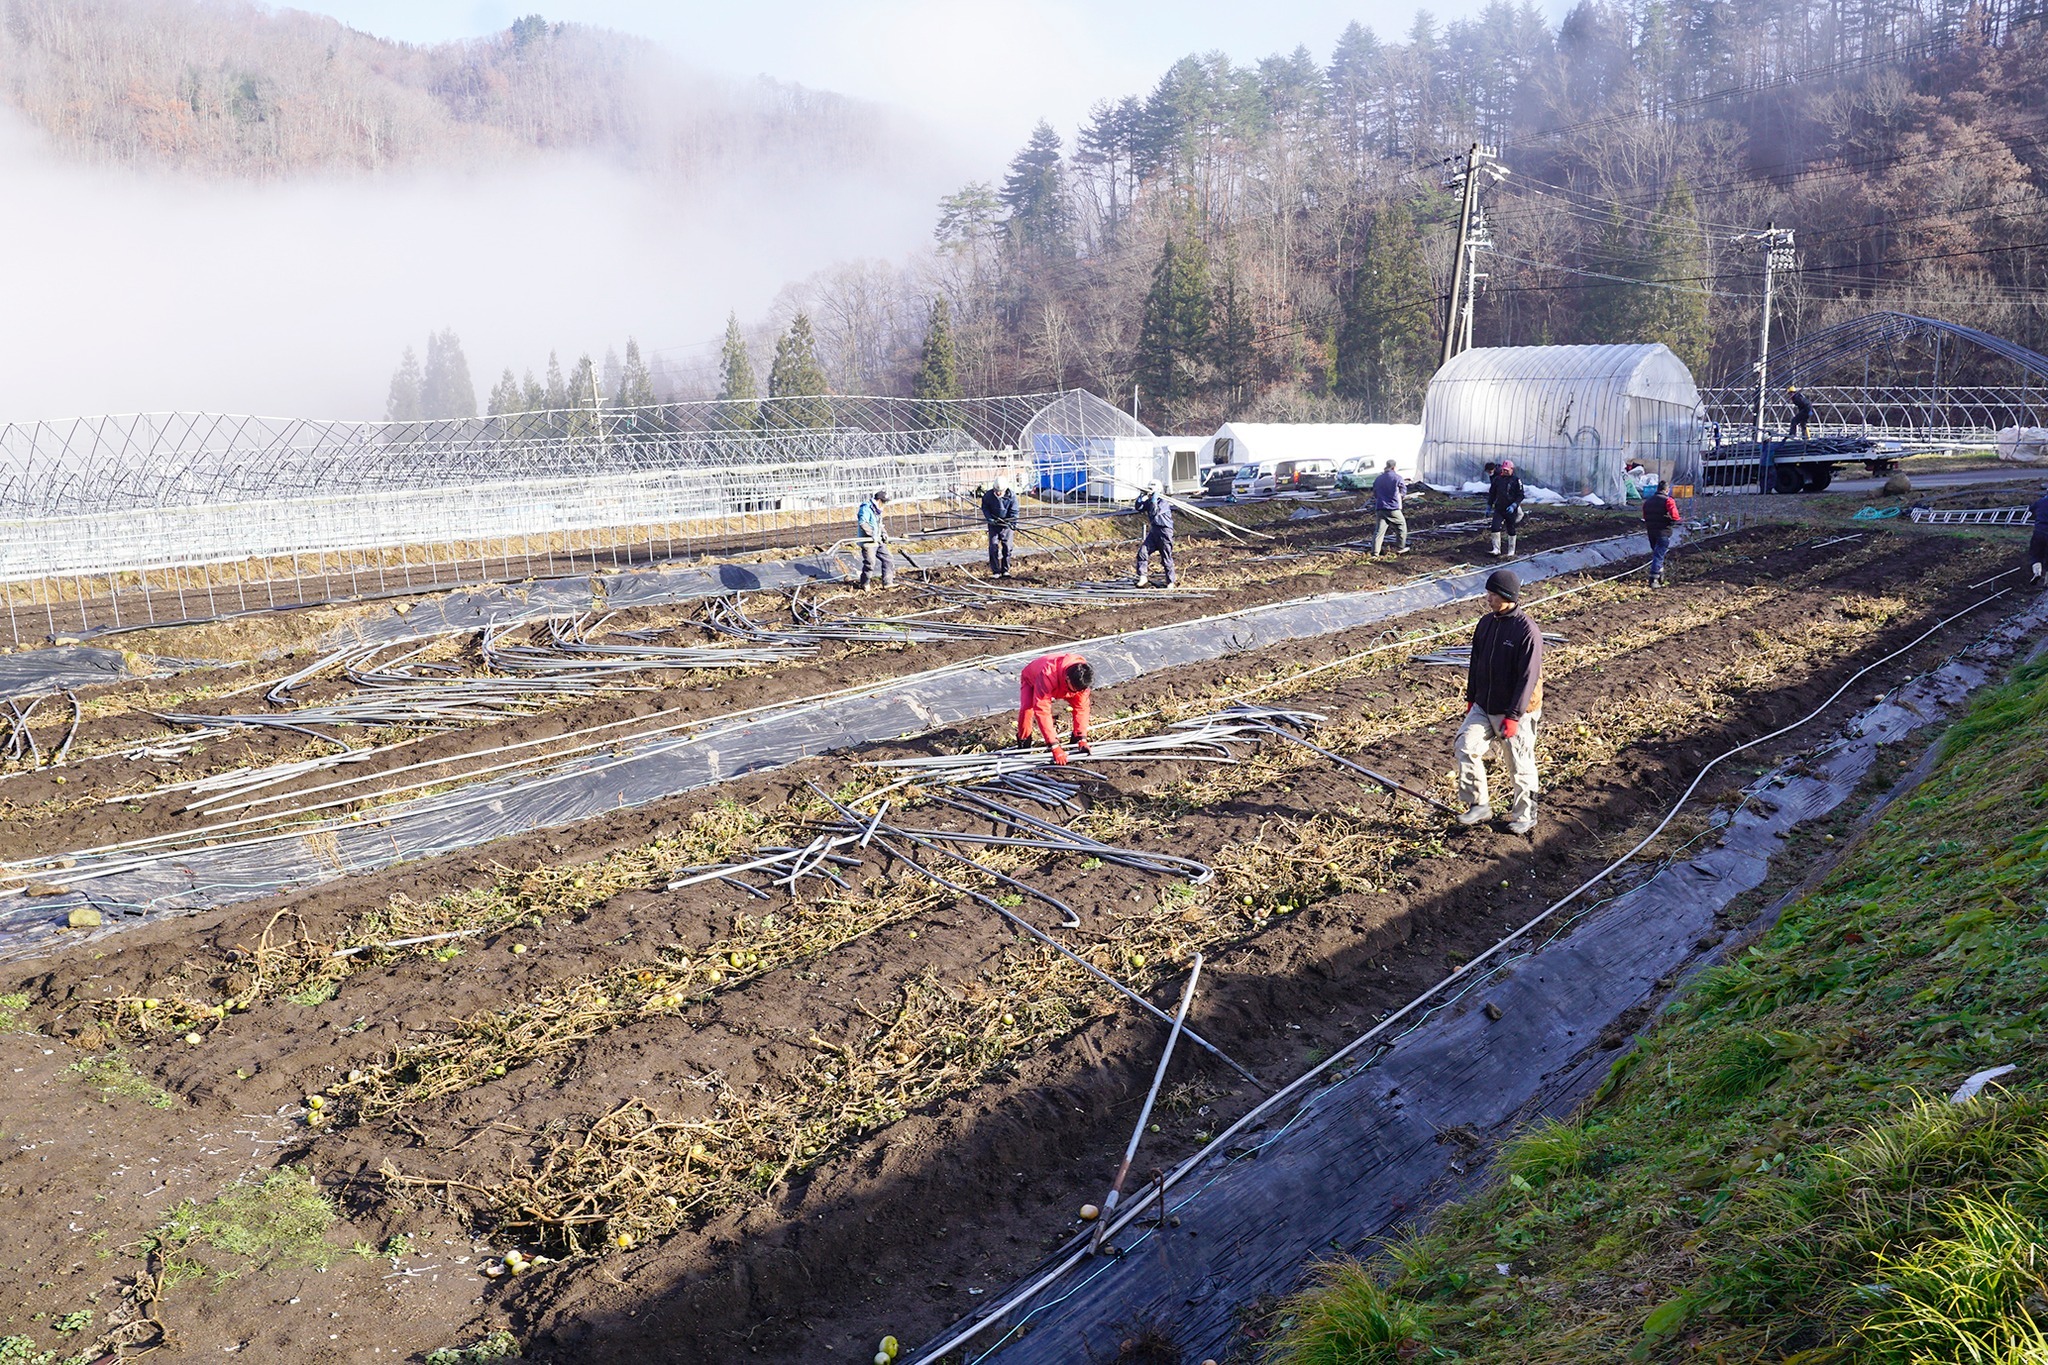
(988,71)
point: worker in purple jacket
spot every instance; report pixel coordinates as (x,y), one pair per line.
(1387,492)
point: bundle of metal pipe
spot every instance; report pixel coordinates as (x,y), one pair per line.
(570,653)
(813,626)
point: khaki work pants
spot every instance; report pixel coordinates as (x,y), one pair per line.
(1476,736)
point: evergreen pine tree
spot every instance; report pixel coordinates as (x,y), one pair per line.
(583,398)
(1611,313)
(796,382)
(737,384)
(1173,335)
(533,395)
(505,395)
(1674,311)
(612,377)
(938,372)
(446,390)
(636,383)
(1237,358)
(1385,339)
(1035,192)
(555,396)
(403,403)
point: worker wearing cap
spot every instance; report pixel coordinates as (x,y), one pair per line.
(999,511)
(1388,490)
(1802,413)
(1047,679)
(2037,547)
(1504,692)
(1157,510)
(1504,494)
(874,540)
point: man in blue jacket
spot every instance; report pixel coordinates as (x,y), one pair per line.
(999,511)
(874,541)
(1387,492)
(1154,506)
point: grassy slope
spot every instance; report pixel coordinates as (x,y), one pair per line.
(1776,1171)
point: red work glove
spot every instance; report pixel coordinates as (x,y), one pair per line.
(1083,745)
(1508,726)
(1059,756)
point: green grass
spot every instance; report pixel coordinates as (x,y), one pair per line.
(1776,1173)
(496,1346)
(11,1007)
(111,1075)
(279,1222)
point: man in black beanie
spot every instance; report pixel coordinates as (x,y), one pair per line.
(1504,689)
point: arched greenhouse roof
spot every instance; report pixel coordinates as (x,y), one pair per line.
(1570,416)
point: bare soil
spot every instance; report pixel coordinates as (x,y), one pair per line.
(903,1226)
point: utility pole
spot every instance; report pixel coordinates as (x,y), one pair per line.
(1776,244)
(1465,179)
(1481,239)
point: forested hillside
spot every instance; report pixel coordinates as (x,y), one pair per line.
(1276,238)
(233,89)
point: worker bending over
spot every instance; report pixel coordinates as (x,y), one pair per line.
(1504,689)
(874,540)
(1047,679)
(1660,519)
(1504,494)
(2037,547)
(999,510)
(1157,510)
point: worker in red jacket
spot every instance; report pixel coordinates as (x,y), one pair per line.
(1047,679)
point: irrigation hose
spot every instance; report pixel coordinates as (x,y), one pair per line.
(1265,1106)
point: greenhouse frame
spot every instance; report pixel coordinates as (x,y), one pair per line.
(112,521)
(1570,417)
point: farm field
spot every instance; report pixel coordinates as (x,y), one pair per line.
(720,1121)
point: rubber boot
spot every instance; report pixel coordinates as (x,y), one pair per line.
(1511,546)
(1496,545)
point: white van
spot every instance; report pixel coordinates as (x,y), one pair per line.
(1252,481)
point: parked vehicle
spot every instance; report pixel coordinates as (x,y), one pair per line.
(1355,475)
(1216,483)
(1305,476)
(1252,481)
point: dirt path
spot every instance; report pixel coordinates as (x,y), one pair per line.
(947,1148)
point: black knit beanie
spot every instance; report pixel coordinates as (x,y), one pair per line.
(1505,583)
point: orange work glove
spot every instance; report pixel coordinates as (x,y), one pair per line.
(1509,726)
(1059,756)
(1083,745)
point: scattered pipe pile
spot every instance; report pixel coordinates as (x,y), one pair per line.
(813,627)
(21,741)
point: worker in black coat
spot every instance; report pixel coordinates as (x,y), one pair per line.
(1504,494)
(1802,414)
(999,513)
(1504,702)
(2037,547)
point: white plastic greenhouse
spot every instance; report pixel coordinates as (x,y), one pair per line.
(1570,417)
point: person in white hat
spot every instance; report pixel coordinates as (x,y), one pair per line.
(1157,510)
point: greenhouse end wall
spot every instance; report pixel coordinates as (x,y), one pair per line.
(1570,417)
